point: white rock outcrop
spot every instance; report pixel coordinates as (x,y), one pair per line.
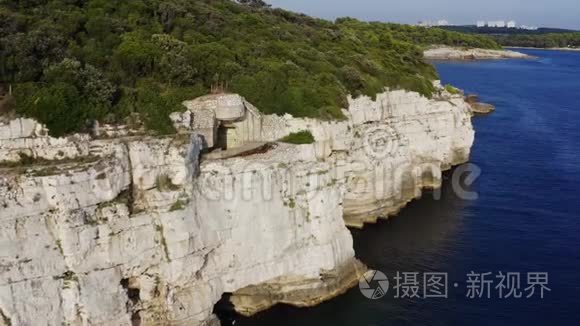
(136,230)
(27,137)
(453,53)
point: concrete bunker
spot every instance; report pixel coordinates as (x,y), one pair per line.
(228,124)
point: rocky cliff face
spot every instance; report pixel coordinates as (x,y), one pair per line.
(389,148)
(137,230)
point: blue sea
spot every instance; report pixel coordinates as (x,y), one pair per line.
(526,219)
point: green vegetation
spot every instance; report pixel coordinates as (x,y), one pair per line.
(72,62)
(439,36)
(558,40)
(299,138)
(540,38)
(452,90)
(472,29)
(292,203)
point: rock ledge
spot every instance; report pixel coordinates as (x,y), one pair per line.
(452,53)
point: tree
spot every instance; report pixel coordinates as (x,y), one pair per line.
(136,55)
(169,11)
(154,109)
(174,65)
(88,80)
(116,58)
(25,55)
(59,106)
(255,3)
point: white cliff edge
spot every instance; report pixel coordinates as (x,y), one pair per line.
(454,53)
(138,231)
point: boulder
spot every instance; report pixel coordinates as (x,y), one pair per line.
(472,98)
(482,108)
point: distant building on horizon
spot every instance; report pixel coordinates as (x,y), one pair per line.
(503,24)
(497,24)
(429,23)
(529,28)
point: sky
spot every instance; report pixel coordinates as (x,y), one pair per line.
(541,13)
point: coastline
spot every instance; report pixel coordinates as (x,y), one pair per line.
(456,229)
(548,49)
(464,54)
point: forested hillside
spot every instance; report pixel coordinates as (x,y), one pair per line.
(70,62)
(492,31)
(540,38)
(559,40)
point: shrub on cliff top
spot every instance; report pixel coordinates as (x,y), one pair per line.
(451,89)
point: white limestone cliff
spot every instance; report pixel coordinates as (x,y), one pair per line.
(136,230)
(458,53)
(388,149)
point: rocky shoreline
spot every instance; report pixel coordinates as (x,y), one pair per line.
(478,107)
(453,53)
(547,49)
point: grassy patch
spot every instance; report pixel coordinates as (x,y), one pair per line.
(299,138)
(452,90)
